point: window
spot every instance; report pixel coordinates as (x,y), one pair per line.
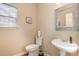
(7,15)
(69,20)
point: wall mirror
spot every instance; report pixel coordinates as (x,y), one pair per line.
(67,17)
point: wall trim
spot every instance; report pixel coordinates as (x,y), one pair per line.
(23,53)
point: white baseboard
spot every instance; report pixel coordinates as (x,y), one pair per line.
(24,52)
(21,53)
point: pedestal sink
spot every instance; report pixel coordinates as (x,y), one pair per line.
(65,46)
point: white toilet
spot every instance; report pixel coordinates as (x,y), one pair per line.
(33,49)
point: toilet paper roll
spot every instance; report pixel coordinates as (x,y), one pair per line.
(39,33)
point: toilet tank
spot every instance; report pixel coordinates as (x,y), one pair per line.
(39,41)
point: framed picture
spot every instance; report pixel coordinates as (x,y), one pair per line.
(28,20)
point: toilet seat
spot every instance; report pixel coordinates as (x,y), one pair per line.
(32,47)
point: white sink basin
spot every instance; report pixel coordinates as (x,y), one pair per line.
(65,46)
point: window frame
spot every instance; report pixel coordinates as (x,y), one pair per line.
(15,18)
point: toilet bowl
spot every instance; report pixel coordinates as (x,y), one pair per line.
(33,49)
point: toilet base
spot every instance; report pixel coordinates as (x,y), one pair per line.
(34,53)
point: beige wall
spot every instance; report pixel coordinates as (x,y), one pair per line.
(47,25)
(13,40)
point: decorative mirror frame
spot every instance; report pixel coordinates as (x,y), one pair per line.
(74,9)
